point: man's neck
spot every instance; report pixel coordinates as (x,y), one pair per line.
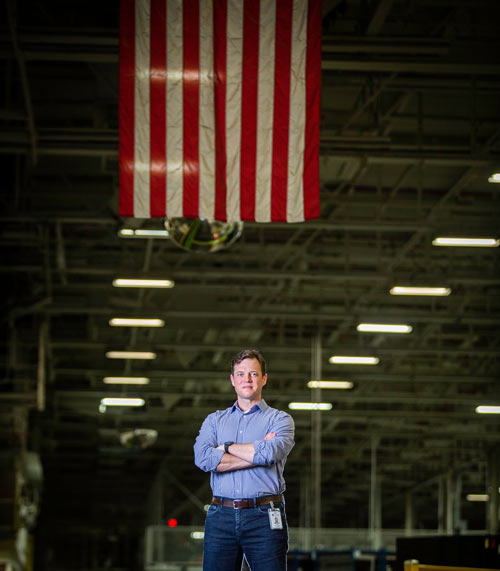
(245,405)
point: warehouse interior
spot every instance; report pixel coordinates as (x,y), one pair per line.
(409,145)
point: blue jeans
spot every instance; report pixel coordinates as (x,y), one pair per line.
(231,533)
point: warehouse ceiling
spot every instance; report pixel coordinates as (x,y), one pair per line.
(410,133)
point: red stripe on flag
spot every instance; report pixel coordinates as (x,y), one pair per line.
(249,89)
(220,61)
(281,120)
(126,107)
(191,100)
(158,170)
(313,86)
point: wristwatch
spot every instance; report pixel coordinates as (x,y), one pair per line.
(226,446)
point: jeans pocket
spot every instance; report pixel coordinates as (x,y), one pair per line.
(213,509)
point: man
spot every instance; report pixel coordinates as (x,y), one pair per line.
(245,448)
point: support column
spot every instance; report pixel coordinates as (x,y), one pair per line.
(42,367)
(493,507)
(453,502)
(451,498)
(305,510)
(441,504)
(375,513)
(409,514)
(457,504)
(316,439)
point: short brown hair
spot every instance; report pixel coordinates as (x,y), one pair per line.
(248,354)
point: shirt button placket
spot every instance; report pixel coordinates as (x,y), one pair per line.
(238,478)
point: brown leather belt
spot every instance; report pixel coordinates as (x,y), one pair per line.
(250,503)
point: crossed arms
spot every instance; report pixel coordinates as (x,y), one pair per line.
(240,457)
(274,447)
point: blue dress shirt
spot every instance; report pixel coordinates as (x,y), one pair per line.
(265,477)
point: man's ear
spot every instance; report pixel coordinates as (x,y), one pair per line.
(232,379)
(265,380)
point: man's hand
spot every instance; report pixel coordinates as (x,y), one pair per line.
(268,436)
(243,452)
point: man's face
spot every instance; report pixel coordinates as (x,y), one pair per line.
(248,380)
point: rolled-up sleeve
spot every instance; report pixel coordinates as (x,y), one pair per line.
(268,452)
(206,455)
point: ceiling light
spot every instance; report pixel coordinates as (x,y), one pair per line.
(130,355)
(133,322)
(484,409)
(310,405)
(122,401)
(495,177)
(477,497)
(401,290)
(341,360)
(125,282)
(383,328)
(474,242)
(330,385)
(126,380)
(142,233)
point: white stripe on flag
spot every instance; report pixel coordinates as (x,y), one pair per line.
(141,112)
(207,118)
(234,54)
(265,111)
(174,113)
(297,120)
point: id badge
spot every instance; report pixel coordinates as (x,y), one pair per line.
(275,518)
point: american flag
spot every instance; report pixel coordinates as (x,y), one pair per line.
(219,109)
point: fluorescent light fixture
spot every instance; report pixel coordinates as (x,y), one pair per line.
(310,406)
(485,409)
(130,355)
(495,177)
(142,233)
(330,385)
(344,360)
(403,290)
(474,242)
(477,497)
(125,282)
(126,380)
(383,328)
(133,322)
(122,401)
(153,233)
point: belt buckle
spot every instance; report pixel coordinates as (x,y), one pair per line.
(235,507)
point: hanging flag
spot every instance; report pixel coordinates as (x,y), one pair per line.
(219,109)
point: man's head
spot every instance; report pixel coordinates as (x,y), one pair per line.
(248,377)
(248,354)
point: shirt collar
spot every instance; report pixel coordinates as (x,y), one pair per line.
(261,405)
